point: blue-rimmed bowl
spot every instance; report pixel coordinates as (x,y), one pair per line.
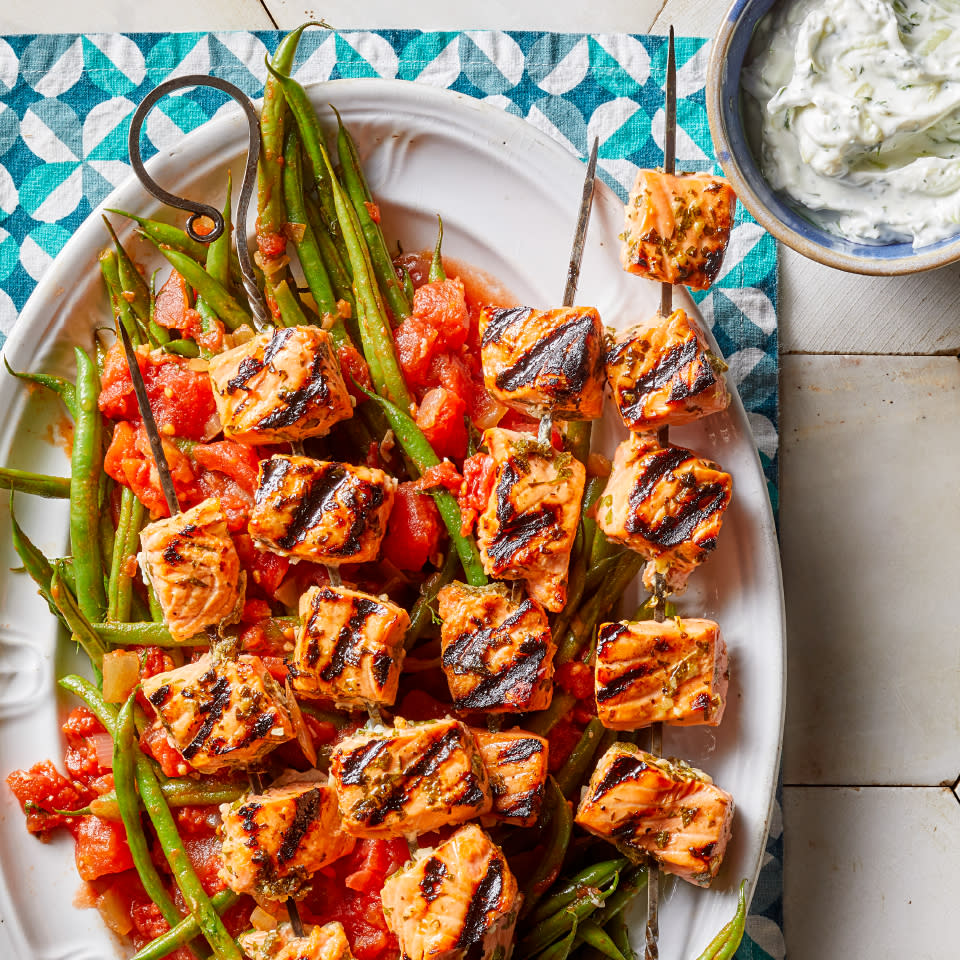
(726,113)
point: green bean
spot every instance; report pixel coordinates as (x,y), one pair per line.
(86,464)
(417,447)
(422,614)
(63,388)
(436,264)
(127,497)
(214,293)
(168,235)
(578,438)
(358,192)
(336,266)
(184,931)
(181,793)
(408,284)
(37,484)
(620,934)
(182,347)
(561,922)
(120,307)
(631,883)
(194,896)
(156,613)
(218,251)
(83,633)
(591,932)
(561,949)
(80,687)
(124,780)
(599,572)
(724,945)
(144,634)
(291,311)
(132,283)
(308,252)
(595,875)
(573,772)
(559,821)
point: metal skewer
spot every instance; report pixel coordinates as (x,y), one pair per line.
(651,947)
(258,306)
(576,258)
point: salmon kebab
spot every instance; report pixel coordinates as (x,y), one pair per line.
(361,686)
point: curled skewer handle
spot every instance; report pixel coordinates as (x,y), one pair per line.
(261,314)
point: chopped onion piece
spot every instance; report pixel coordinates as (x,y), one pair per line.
(121,673)
(113,908)
(261,920)
(102,744)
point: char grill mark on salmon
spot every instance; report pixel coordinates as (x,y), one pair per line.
(349,647)
(544,362)
(274,841)
(281,386)
(677,227)
(667,504)
(517,765)
(672,672)
(460,901)
(497,651)
(409,779)
(224,716)
(192,564)
(528,527)
(323,511)
(665,808)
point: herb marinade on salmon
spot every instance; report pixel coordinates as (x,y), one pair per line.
(359,628)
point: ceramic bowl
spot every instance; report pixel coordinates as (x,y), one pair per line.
(785,222)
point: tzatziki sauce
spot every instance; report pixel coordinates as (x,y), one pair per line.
(856,114)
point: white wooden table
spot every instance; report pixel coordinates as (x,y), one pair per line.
(870,522)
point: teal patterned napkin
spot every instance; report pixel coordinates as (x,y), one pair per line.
(65,107)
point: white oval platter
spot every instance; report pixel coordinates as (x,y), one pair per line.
(508,195)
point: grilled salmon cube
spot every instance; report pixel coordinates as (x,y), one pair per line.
(192,564)
(516,763)
(667,504)
(663,373)
(528,527)
(497,650)
(409,779)
(273,842)
(677,227)
(332,513)
(225,714)
(672,672)
(284,384)
(544,361)
(666,808)
(328,942)
(459,900)
(349,647)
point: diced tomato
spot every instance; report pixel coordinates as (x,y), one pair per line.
(441,418)
(419,705)
(442,305)
(155,742)
(276,667)
(321,732)
(443,475)
(130,462)
(265,637)
(235,502)
(271,245)
(416,342)
(101,848)
(236,460)
(479,473)
(173,303)
(204,854)
(415,264)
(147,920)
(449,370)
(254,610)
(181,398)
(575,678)
(355,370)
(81,755)
(44,789)
(562,739)
(266,570)
(413,530)
(197,821)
